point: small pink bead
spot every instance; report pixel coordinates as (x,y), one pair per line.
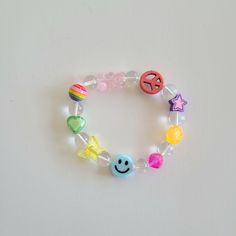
(155,160)
(102,86)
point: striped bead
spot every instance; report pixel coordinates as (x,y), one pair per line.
(77,92)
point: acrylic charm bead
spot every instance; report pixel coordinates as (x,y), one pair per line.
(177,103)
(76,123)
(122,166)
(150,82)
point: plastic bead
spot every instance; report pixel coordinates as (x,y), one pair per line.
(76,108)
(165,149)
(131,79)
(174,134)
(90,81)
(109,81)
(81,140)
(76,123)
(77,92)
(151,82)
(141,165)
(169,92)
(122,166)
(177,103)
(155,160)
(177,118)
(104,159)
(92,149)
(102,86)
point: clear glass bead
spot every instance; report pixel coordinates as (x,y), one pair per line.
(104,159)
(131,79)
(81,140)
(177,118)
(165,149)
(90,81)
(76,108)
(169,92)
(141,165)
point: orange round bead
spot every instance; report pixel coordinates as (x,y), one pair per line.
(174,134)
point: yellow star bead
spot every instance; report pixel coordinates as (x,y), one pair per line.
(174,134)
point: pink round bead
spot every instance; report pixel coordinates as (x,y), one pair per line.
(155,160)
(102,86)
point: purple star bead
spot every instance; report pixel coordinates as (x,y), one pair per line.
(177,103)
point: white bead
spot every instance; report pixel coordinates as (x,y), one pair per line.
(81,140)
(75,108)
(90,81)
(131,79)
(169,92)
(165,149)
(141,165)
(104,159)
(177,118)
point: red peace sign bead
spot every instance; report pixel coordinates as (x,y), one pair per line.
(151,82)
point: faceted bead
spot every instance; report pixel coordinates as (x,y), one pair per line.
(90,81)
(141,165)
(82,140)
(177,118)
(76,108)
(169,92)
(104,159)
(102,86)
(174,134)
(166,149)
(131,79)
(155,160)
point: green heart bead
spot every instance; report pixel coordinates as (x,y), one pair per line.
(76,123)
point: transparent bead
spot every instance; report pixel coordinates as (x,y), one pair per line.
(131,79)
(90,81)
(165,149)
(76,108)
(82,140)
(141,165)
(169,92)
(104,159)
(177,118)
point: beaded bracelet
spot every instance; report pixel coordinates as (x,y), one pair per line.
(150,82)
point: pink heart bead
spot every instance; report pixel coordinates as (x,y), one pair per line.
(155,160)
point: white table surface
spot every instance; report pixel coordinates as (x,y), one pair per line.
(47,45)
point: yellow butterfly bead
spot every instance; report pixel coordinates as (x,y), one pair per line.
(92,149)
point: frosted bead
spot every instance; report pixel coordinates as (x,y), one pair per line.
(166,149)
(141,165)
(104,159)
(102,86)
(174,134)
(90,81)
(131,79)
(169,92)
(177,118)
(82,140)
(155,160)
(76,108)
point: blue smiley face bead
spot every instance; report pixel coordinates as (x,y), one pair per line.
(122,166)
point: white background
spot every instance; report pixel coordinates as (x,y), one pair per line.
(47,45)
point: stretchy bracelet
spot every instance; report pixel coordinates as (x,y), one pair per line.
(150,82)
